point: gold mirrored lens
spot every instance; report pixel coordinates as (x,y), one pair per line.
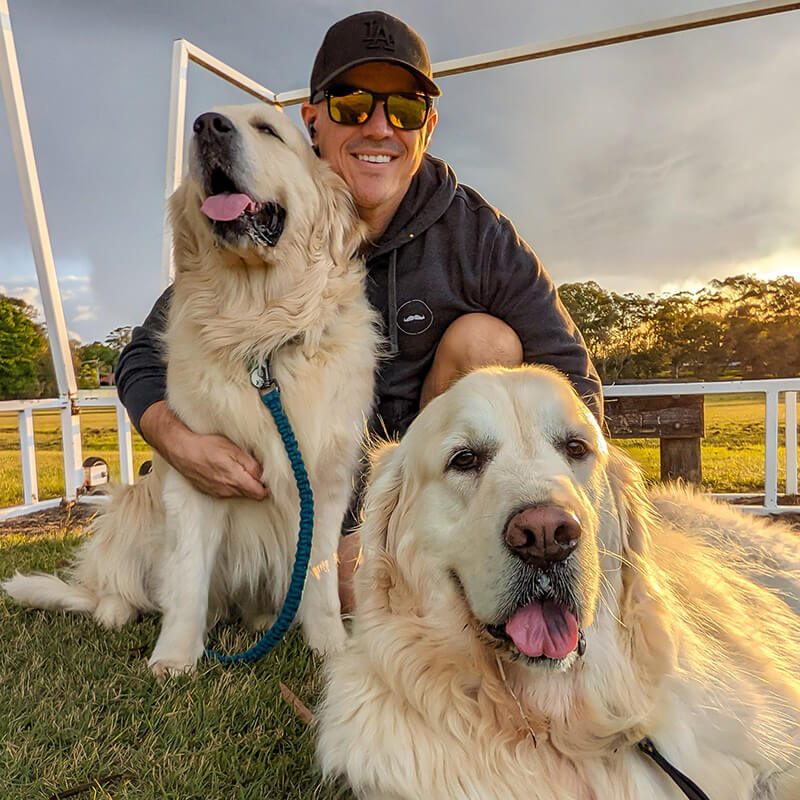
(406,113)
(351,109)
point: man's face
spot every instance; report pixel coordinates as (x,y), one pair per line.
(376,187)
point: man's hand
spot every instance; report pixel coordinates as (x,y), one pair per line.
(213,464)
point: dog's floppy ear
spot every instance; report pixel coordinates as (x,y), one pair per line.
(382,496)
(634,508)
(643,608)
(338,224)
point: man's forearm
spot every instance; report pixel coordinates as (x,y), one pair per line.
(141,372)
(162,429)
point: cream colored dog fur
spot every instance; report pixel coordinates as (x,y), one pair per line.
(683,643)
(163,546)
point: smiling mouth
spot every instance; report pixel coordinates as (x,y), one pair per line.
(374,159)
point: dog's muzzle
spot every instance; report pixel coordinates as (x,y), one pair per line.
(234,214)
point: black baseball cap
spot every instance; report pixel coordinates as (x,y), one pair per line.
(370,36)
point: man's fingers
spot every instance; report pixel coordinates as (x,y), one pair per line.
(250,480)
(252,486)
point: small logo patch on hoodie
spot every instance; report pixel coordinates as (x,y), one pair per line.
(414,317)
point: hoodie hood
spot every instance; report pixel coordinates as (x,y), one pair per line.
(428,197)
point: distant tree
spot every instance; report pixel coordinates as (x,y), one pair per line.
(21,345)
(762,325)
(46,374)
(87,377)
(97,359)
(616,327)
(118,338)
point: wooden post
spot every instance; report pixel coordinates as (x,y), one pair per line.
(675,420)
(680,458)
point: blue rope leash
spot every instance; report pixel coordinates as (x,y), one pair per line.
(270,396)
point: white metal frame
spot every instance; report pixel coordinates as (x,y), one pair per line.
(183,52)
(771,389)
(42,255)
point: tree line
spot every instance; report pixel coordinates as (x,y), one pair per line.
(26,367)
(740,327)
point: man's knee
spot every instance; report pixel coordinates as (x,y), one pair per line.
(478,340)
(471,341)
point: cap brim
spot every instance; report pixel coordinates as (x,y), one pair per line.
(426,83)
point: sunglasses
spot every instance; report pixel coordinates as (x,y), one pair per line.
(404,111)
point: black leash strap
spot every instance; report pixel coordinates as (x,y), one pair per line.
(686,785)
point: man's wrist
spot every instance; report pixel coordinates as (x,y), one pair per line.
(161,428)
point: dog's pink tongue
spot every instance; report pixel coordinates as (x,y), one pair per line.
(227,206)
(544,628)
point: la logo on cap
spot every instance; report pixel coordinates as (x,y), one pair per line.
(375,36)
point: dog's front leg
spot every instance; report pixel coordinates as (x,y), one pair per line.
(194,526)
(320,611)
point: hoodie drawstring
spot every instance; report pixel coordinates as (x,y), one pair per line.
(394,347)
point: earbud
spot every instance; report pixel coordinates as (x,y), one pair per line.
(312,132)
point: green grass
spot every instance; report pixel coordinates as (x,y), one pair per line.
(80,704)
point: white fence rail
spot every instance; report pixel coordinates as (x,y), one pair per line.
(70,428)
(773,391)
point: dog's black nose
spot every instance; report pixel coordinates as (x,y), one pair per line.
(541,535)
(213,125)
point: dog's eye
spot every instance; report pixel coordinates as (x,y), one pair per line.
(576,449)
(265,127)
(466,461)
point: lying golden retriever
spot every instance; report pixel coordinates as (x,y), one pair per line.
(264,237)
(526,615)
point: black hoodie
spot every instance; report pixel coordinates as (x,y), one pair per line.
(446,253)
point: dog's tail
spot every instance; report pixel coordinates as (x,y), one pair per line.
(49,591)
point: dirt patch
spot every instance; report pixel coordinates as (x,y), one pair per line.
(69,519)
(74,518)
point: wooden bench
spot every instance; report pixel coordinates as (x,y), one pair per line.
(675,420)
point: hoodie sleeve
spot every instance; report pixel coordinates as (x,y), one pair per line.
(141,372)
(520,292)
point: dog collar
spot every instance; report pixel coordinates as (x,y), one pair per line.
(686,785)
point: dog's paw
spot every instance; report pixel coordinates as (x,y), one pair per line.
(114,611)
(175,655)
(161,668)
(326,639)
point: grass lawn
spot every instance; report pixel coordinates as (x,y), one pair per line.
(79,705)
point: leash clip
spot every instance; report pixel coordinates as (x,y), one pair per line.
(262,378)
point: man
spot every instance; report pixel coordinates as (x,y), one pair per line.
(456,286)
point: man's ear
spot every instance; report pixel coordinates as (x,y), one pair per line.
(309,115)
(430,125)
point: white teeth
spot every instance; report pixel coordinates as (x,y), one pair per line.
(374,159)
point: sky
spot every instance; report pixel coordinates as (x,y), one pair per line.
(648,166)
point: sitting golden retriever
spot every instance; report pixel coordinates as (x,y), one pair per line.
(526,616)
(264,241)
